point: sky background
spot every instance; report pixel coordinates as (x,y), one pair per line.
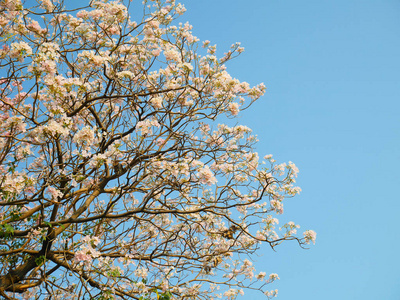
(332,72)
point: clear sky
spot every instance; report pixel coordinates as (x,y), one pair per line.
(332,69)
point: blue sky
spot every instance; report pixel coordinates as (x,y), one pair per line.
(332,69)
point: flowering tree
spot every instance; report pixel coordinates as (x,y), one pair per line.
(116,182)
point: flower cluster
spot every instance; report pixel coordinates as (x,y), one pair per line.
(310,236)
(206,176)
(85,255)
(145,126)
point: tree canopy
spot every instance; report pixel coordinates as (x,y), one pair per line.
(120,176)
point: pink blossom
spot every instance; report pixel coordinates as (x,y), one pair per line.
(86,254)
(172,54)
(261,275)
(34,26)
(273,277)
(233,108)
(55,193)
(160,142)
(82,14)
(3,22)
(156,52)
(82,256)
(47,4)
(272,293)
(156,102)
(20,49)
(146,126)
(206,176)
(310,236)
(85,135)
(268,156)
(277,206)
(141,272)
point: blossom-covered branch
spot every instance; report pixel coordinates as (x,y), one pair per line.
(116,179)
